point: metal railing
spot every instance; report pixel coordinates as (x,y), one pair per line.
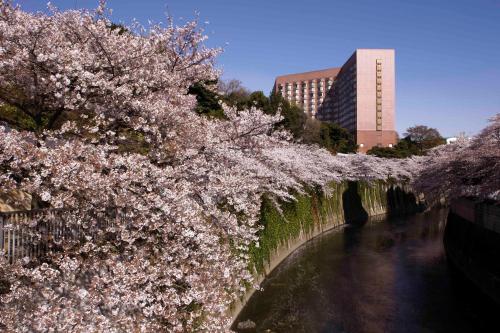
(26,233)
(33,233)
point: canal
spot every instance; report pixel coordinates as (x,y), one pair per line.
(389,275)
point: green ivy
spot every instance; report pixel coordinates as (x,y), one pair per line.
(311,209)
(16,118)
(304,214)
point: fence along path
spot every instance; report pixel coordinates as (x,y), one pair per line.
(25,233)
(29,233)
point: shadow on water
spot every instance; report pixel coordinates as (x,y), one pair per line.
(389,276)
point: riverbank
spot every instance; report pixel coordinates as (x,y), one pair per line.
(472,243)
(317,211)
(389,275)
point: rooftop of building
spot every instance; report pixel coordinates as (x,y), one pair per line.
(309,75)
(379,49)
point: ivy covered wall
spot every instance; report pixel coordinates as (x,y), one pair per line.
(314,210)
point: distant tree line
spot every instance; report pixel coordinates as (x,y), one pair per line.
(303,128)
(416,141)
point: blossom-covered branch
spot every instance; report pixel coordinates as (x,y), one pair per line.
(466,168)
(167,228)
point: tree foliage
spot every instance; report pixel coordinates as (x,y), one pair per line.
(417,141)
(424,137)
(166,227)
(208,101)
(464,168)
(293,117)
(303,128)
(339,139)
(403,149)
(233,90)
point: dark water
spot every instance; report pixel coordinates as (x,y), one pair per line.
(386,276)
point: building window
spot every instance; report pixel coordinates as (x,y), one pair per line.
(379,94)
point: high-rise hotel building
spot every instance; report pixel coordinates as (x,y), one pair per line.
(359,96)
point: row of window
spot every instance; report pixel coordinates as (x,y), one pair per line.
(297,94)
(313,83)
(305,99)
(379,94)
(312,97)
(303,93)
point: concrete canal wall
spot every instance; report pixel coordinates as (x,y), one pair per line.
(472,243)
(317,211)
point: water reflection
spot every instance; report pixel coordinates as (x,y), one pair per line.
(388,276)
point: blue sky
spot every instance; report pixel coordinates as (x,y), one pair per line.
(447,51)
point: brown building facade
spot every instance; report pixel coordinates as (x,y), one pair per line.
(359,96)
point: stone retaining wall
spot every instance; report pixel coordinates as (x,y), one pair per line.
(472,243)
(315,212)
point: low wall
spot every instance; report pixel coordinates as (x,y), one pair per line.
(14,201)
(472,243)
(315,212)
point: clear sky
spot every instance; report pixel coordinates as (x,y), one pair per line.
(447,51)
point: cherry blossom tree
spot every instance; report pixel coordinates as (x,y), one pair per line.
(163,232)
(465,168)
(166,263)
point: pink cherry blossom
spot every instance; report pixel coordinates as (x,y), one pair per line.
(165,233)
